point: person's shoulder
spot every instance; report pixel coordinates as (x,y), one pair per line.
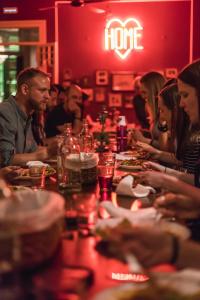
(7,107)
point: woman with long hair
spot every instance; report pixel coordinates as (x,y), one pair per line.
(151,84)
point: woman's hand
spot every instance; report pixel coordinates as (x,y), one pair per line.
(148,148)
(178,206)
(137,135)
(10,173)
(153,178)
(149,244)
(154,166)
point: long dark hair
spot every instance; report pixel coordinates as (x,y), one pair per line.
(191,76)
(154,82)
(171,100)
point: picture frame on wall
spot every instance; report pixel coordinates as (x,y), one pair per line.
(122,81)
(171,73)
(114,99)
(128,101)
(100,94)
(89,93)
(102,77)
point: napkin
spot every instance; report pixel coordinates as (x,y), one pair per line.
(119,213)
(125,188)
(36,163)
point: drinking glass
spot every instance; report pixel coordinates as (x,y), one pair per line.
(86,206)
(106,168)
(9,262)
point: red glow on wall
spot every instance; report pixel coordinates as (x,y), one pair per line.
(123,36)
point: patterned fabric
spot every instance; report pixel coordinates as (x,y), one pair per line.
(15,131)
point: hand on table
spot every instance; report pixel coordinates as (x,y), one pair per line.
(152,178)
(178,206)
(10,173)
(154,166)
(149,244)
(150,149)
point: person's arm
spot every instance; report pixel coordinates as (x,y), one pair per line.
(188,255)
(178,206)
(42,153)
(163,156)
(170,183)
(165,141)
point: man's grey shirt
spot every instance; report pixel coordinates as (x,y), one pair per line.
(15,129)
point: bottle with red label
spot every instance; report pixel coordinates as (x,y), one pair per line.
(121,134)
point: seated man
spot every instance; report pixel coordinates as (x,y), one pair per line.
(68,112)
(17,145)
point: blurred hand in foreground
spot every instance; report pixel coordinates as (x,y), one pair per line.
(154,166)
(178,206)
(149,244)
(10,173)
(154,178)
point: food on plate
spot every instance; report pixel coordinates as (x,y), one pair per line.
(27,172)
(138,153)
(132,162)
(17,188)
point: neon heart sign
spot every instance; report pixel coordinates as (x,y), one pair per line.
(123,37)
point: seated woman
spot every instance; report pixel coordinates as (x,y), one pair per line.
(189,148)
(151,84)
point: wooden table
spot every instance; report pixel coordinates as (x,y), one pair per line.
(78,249)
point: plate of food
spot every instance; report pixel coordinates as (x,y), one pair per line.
(136,153)
(132,164)
(19,188)
(36,172)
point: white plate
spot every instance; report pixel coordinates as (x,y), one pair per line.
(134,168)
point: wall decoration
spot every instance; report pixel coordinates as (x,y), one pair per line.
(123,36)
(89,93)
(171,73)
(115,99)
(122,81)
(102,77)
(128,101)
(100,94)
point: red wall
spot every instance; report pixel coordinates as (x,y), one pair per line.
(165,37)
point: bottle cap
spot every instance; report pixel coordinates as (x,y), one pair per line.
(122,121)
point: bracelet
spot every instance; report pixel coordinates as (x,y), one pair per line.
(175,250)
(162,127)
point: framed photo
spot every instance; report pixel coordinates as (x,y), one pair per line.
(114,99)
(128,101)
(171,73)
(102,77)
(89,93)
(100,94)
(122,81)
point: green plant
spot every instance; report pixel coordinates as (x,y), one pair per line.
(102,137)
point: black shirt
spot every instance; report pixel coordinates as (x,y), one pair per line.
(58,116)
